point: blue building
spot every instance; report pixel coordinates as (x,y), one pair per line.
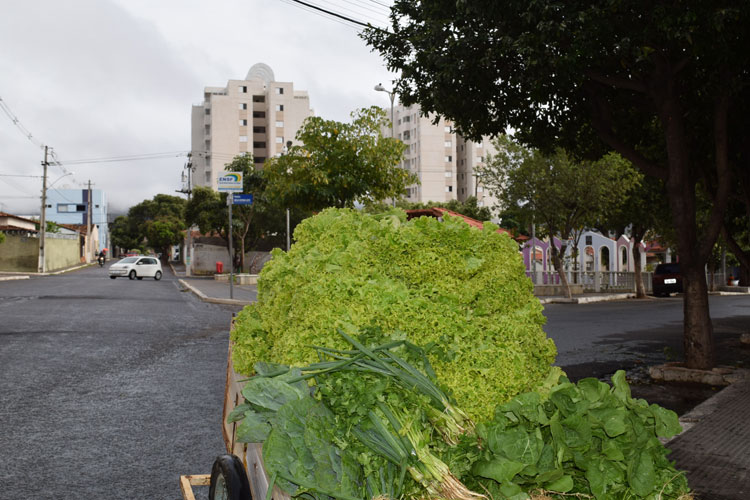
(71,206)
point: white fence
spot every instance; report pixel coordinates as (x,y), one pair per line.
(612,281)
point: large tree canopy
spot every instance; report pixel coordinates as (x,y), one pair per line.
(339,163)
(656,81)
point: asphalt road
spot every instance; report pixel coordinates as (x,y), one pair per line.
(108,388)
(596,339)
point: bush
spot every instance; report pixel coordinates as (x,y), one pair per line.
(458,290)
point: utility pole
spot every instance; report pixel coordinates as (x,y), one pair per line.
(41,267)
(89,241)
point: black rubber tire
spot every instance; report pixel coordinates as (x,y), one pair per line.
(157,276)
(112,277)
(132,274)
(228,474)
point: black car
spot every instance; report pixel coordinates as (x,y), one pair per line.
(667,279)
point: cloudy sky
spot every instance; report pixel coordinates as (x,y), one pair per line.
(98,79)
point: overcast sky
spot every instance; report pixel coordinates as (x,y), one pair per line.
(112,78)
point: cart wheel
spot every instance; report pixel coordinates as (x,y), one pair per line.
(229,480)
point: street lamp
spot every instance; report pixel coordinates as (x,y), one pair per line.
(379,87)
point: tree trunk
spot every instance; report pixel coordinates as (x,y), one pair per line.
(557,261)
(698,340)
(640,290)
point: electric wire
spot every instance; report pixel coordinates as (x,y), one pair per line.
(320,14)
(333,14)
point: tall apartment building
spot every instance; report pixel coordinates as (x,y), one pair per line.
(257,115)
(445,163)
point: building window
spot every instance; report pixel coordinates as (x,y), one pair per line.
(480,189)
(243,138)
(448,130)
(279,107)
(259,114)
(279,90)
(259,98)
(208,176)
(208,111)
(259,159)
(259,145)
(448,189)
(259,130)
(448,144)
(243,123)
(243,105)
(480,203)
(480,159)
(588,239)
(279,140)
(279,124)
(448,159)
(242,89)
(448,173)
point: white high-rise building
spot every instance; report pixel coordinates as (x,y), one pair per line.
(257,115)
(443,161)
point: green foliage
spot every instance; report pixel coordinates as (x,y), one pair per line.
(124,234)
(2,237)
(159,221)
(586,438)
(560,192)
(339,163)
(461,289)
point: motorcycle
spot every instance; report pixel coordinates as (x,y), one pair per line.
(100,260)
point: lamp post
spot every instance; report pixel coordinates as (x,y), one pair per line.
(392,95)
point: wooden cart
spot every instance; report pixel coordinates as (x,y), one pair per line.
(250,454)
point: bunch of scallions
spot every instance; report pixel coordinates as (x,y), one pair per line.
(383,400)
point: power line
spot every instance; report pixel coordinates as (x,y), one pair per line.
(334,14)
(14,119)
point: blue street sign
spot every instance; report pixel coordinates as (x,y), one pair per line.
(242,199)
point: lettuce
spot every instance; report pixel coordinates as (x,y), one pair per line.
(444,284)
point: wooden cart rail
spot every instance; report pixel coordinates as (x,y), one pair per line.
(187,482)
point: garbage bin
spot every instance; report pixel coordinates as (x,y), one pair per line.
(219,267)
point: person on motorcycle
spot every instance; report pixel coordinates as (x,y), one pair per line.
(102,257)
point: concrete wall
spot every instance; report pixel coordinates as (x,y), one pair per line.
(61,252)
(206,256)
(21,253)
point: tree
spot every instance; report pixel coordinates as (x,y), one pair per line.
(645,209)
(339,163)
(563,194)
(123,234)
(2,237)
(264,221)
(658,82)
(160,221)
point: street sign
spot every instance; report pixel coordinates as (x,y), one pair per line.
(242,199)
(230,182)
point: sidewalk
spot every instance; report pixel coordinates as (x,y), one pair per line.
(714,448)
(209,290)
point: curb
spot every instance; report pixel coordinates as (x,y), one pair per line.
(213,300)
(22,276)
(587,300)
(11,278)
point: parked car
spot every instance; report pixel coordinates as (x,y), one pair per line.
(136,267)
(667,279)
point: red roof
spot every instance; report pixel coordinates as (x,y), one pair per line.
(440,211)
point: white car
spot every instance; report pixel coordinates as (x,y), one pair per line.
(136,267)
